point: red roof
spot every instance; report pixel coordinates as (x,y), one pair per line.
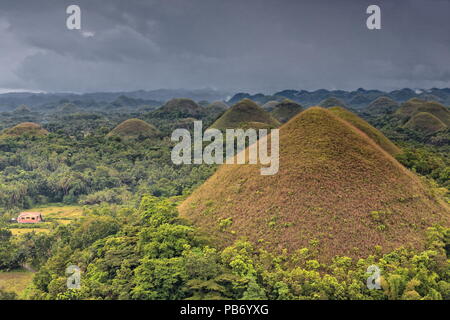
(29,214)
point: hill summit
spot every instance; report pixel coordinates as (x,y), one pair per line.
(245,114)
(26,128)
(133,129)
(336,192)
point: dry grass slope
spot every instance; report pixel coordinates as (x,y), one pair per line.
(414,106)
(365,127)
(425,122)
(336,190)
(26,128)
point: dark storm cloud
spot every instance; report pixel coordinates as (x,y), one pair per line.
(251,45)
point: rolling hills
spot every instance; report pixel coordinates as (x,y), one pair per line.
(337,192)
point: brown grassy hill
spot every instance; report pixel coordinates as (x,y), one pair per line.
(286,110)
(365,127)
(26,128)
(134,128)
(242,114)
(336,191)
(332,102)
(425,122)
(382,105)
(414,106)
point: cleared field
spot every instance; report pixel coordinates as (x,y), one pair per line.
(15,281)
(55,213)
(20,231)
(62,214)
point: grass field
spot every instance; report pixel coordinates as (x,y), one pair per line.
(54,213)
(15,281)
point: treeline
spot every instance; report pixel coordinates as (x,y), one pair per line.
(92,170)
(148,252)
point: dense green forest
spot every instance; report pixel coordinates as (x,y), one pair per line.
(130,242)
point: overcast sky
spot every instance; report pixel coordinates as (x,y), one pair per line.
(238,45)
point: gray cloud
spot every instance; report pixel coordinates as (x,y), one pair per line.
(251,45)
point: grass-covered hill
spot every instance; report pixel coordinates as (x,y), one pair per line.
(426,123)
(413,106)
(332,102)
(286,110)
(180,107)
(336,192)
(26,128)
(133,129)
(369,130)
(245,114)
(382,105)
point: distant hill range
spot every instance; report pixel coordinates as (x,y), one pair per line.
(10,101)
(357,99)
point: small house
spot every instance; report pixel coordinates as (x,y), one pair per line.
(30,217)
